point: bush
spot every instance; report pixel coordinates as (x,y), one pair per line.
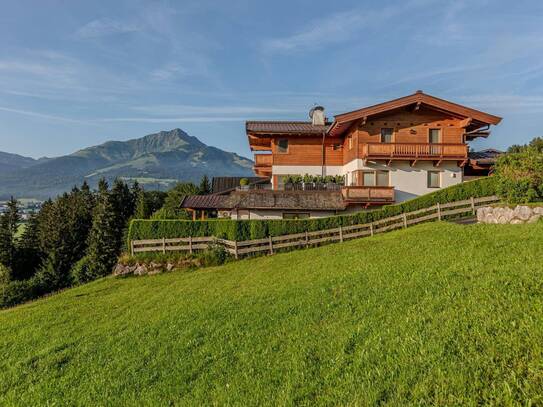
(214,255)
(81,272)
(520,177)
(257,229)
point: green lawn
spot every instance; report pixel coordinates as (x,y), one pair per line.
(438,314)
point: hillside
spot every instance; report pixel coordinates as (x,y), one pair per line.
(158,160)
(12,162)
(435,314)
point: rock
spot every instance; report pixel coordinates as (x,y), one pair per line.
(121,270)
(516,222)
(534,218)
(502,220)
(169,267)
(140,270)
(481,213)
(523,212)
(490,218)
(538,210)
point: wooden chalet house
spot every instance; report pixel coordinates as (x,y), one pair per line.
(386,153)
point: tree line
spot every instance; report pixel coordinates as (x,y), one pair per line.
(78,236)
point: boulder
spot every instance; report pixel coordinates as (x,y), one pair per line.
(538,210)
(523,212)
(534,218)
(517,222)
(140,270)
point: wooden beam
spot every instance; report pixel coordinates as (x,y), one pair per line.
(463,163)
(466,122)
(412,163)
(438,163)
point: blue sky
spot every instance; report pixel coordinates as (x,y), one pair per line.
(78,73)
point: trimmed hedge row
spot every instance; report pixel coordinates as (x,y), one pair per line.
(257,229)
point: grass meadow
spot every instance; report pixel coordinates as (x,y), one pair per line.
(438,314)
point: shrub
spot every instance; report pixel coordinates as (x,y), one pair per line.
(81,272)
(520,176)
(214,255)
(243,182)
(258,229)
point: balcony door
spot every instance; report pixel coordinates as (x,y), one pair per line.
(435,141)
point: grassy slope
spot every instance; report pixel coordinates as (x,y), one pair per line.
(439,313)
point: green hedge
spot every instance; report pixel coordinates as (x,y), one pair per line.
(257,229)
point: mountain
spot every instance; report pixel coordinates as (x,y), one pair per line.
(12,162)
(157,160)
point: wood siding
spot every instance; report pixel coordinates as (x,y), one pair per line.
(303,150)
(412,127)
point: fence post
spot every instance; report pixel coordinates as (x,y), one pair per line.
(131,247)
(405,221)
(371,229)
(306,239)
(472,205)
(340,234)
(438,211)
(163,245)
(271,244)
(190,244)
(236,249)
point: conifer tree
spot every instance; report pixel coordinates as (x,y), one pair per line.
(9,222)
(29,255)
(205,186)
(142,208)
(102,246)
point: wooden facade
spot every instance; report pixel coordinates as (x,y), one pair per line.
(415,128)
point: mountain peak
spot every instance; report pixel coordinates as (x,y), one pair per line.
(158,160)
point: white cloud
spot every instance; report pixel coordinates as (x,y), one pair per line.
(208,110)
(168,72)
(337,27)
(41,115)
(106,26)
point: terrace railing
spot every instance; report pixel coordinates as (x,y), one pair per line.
(414,150)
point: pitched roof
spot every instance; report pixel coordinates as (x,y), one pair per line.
(285,127)
(224,184)
(304,200)
(344,120)
(484,157)
(204,202)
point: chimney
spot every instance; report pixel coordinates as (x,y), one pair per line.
(317,116)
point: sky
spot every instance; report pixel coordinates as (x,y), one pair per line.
(79,73)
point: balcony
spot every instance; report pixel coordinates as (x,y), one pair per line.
(368,195)
(414,151)
(263,165)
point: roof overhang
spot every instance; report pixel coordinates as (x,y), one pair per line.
(473,118)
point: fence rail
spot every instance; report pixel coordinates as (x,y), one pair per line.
(300,240)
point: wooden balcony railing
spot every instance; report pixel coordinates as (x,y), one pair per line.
(368,194)
(417,151)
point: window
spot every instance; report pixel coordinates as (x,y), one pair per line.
(386,135)
(382,178)
(434,179)
(371,178)
(294,215)
(282,145)
(435,136)
(368,179)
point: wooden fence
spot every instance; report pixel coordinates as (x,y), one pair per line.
(300,240)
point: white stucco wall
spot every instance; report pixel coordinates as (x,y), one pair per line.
(408,181)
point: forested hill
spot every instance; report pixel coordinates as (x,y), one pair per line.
(158,160)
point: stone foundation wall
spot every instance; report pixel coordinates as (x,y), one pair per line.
(506,215)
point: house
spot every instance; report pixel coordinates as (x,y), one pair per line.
(376,155)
